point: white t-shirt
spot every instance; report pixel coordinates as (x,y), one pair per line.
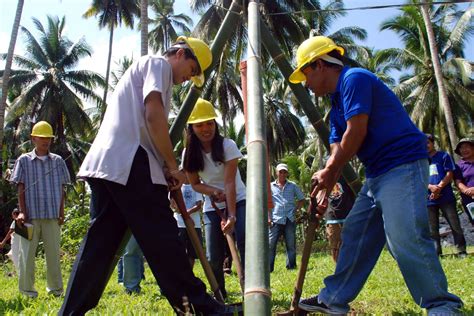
(213,173)
(123,128)
(191,198)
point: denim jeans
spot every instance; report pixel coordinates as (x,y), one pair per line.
(289,231)
(391,208)
(130,266)
(451,215)
(215,241)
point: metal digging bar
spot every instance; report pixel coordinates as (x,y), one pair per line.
(177,196)
(304,99)
(308,242)
(233,249)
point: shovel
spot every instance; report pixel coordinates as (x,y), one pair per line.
(232,248)
(177,196)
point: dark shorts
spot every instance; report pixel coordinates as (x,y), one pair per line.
(184,238)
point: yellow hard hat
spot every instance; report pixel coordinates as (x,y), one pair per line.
(42,129)
(203,55)
(203,111)
(309,51)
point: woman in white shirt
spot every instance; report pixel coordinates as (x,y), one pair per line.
(211,165)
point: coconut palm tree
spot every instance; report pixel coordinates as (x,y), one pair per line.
(379,62)
(285,132)
(8,64)
(51,89)
(112,13)
(166,25)
(418,88)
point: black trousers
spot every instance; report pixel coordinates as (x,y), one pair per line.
(142,208)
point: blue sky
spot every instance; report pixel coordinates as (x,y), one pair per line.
(127,42)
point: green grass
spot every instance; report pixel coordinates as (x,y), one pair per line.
(384,293)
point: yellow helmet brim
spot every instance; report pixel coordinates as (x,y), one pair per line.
(198,80)
(297,76)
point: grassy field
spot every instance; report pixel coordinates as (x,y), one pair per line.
(385,292)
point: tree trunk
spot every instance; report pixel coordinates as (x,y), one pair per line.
(144,29)
(443,97)
(107,73)
(8,65)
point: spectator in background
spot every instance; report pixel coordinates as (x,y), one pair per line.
(193,202)
(441,197)
(288,199)
(131,269)
(41,177)
(15,241)
(340,203)
(465,175)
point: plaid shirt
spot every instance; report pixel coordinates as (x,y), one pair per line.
(44,181)
(284,201)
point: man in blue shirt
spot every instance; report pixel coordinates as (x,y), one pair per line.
(441,197)
(282,217)
(368,120)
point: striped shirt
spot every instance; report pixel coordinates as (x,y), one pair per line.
(284,200)
(44,181)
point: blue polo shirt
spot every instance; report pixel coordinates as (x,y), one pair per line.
(440,164)
(392,139)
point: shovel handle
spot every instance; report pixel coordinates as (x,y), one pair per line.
(177,196)
(232,248)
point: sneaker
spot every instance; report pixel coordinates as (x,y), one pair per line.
(462,254)
(312,304)
(30,294)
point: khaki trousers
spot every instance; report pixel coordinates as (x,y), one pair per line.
(49,231)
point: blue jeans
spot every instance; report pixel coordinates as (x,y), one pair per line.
(215,241)
(130,266)
(391,208)
(289,231)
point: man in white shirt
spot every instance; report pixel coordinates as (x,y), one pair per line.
(129,167)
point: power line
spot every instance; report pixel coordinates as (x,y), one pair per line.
(376,7)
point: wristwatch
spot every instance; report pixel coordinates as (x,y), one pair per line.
(232,216)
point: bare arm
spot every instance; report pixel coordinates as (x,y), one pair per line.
(299,204)
(464,189)
(230,170)
(7,238)
(157,126)
(21,201)
(195,208)
(203,188)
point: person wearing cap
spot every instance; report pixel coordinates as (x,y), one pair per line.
(441,197)
(130,167)
(288,200)
(41,177)
(464,175)
(211,165)
(368,120)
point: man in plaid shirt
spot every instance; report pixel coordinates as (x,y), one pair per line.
(288,199)
(41,176)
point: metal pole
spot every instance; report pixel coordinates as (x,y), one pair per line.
(304,99)
(257,283)
(224,33)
